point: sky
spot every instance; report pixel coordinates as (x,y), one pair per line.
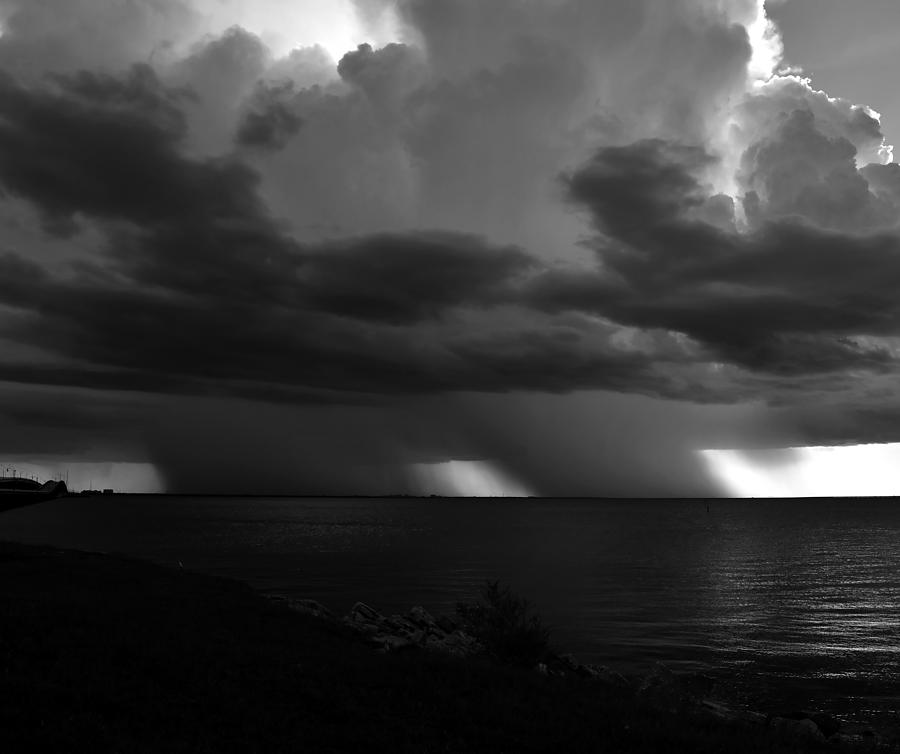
(567,247)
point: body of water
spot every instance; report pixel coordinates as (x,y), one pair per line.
(793,604)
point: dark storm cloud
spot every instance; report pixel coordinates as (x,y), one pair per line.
(383,74)
(408,279)
(160,342)
(200,291)
(109,35)
(237,232)
(788,298)
(211,295)
(269,122)
(107,147)
(64,419)
(803,172)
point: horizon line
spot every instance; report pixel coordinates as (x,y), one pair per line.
(649,498)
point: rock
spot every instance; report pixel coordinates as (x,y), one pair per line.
(366,620)
(421,617)
(458,644)
(717,709)
(447,625)
(697,684)
(804,729)
(312,607)
(752,718)
(665,689)
(362,613)
(660,676)
(390,643)
(827,724)
(870,739)
(604,675)
(400,625)
(418,628)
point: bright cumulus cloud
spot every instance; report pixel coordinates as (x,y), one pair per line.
(838,471)
(333,25)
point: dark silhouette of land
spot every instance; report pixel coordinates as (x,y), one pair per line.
(17,491)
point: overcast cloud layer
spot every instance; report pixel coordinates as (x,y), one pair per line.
(576,239)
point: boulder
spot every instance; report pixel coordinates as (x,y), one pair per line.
(362,613)
(391,643)
(447,625)
(604,675)
(797,729)
(663,688)
(458,644)
(850,741)
(418,628)
(697,684)
(870,739)
(312,607)
(751,718)
(422,618)
(828,724)
(400,625)
(717,710)
(365,619)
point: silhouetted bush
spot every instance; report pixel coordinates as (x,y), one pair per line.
(507,625)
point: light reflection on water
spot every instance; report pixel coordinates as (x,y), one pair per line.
(795,603)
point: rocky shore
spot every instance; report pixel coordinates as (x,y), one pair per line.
(662,688)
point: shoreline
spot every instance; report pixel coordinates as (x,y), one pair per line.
(684,693)
(97,647)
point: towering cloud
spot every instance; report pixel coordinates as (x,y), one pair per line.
(496,207)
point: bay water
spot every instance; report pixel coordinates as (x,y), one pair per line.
(790,604)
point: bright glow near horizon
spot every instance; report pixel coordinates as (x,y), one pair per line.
(838,471)
(466,479)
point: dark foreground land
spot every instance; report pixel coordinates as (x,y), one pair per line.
(107,654)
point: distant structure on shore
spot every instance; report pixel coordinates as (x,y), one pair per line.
(17,491)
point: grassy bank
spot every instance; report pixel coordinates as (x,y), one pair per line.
(101,653)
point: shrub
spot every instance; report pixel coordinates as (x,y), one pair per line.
(507,625)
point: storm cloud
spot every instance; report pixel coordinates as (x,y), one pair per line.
(506,205)
(787,297)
